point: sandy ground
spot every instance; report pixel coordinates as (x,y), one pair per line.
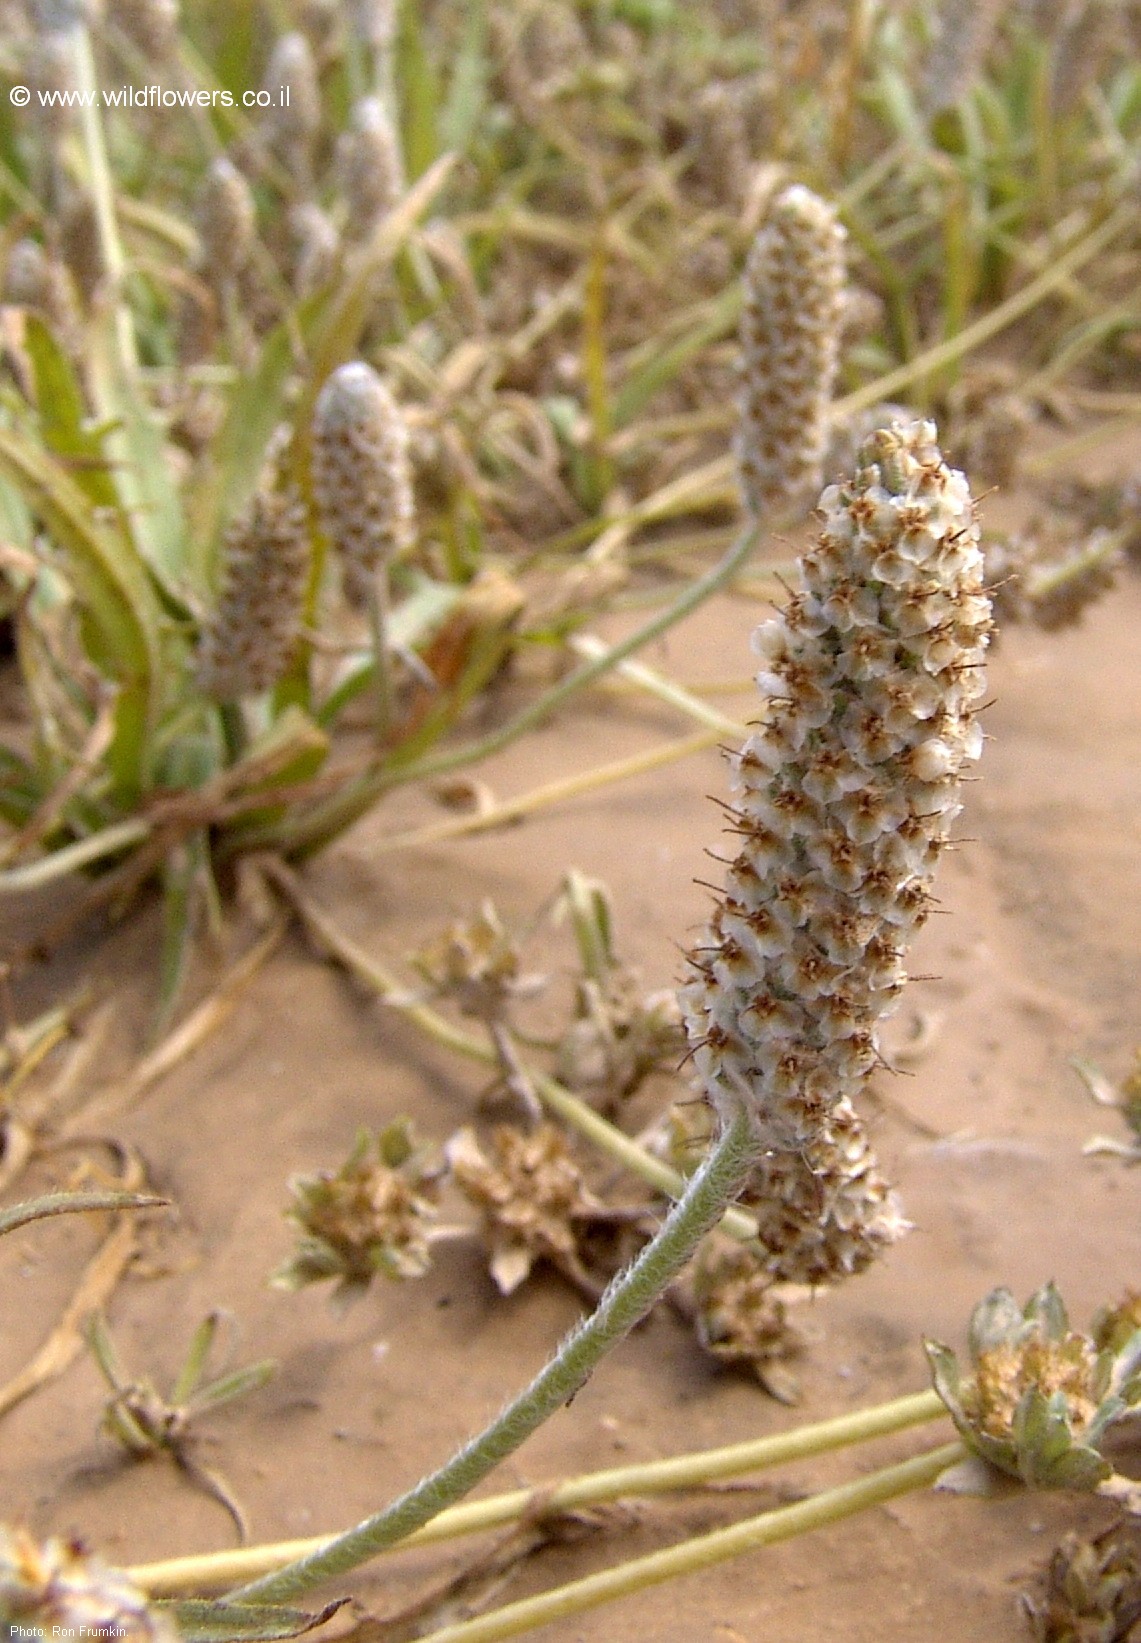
(1035,962)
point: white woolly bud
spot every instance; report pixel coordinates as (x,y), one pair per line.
(361,473)
(790,345)
(843,802)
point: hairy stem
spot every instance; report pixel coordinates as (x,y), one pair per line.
(627,1300)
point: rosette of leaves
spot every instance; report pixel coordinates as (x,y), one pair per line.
(1091,1592)
(1041,1395)
(370,1218)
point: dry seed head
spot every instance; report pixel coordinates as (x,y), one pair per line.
(246,645)
(58,1590)
(370,167)
(362,477)
(824,1212)
(790,344)
(845,796)
(372,1216)
(530,1193)
(226,221)
(739,1319)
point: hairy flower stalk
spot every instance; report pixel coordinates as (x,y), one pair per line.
(843,802)
(790,345)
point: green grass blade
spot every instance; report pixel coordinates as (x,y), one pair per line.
(63,421)
(145,487)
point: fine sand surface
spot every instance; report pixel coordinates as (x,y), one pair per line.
(1035,961)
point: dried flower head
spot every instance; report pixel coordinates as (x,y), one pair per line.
(370,166)
(477,963)
(1091,1591)
(531,1197)
(620,1034)
(1041,1395)
(739,1319)
(790,344)
(246,644)
(824,1211)
(361,473)
(373,1216)
(59,1590)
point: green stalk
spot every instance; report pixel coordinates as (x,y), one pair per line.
(627,1300)
(210,1570)
(103,197)
(830,1506)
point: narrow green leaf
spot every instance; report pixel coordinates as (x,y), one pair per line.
(463,110)
(63,415)
(190,1374)
(143,482)
(419,83)
(72,1203)
(199,1621)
